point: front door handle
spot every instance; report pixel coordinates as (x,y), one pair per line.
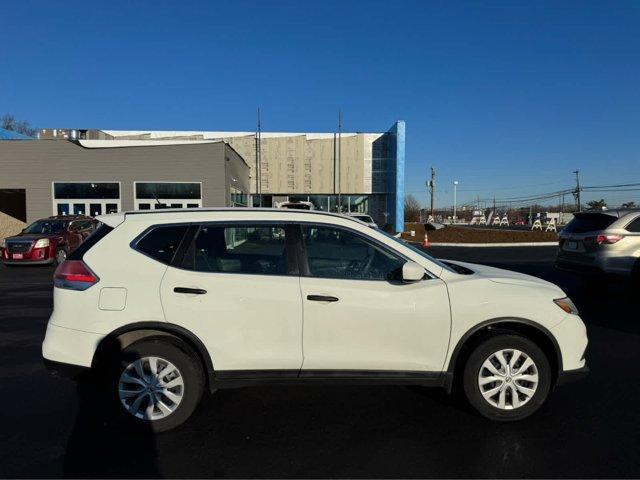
(196,291)
(322,298)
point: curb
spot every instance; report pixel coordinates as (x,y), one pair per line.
(521,244)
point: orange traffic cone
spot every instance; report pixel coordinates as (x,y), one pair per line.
(425,243)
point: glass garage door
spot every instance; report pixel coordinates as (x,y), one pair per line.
(161,195)
(86,198)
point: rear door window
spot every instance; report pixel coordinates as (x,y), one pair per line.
(589,222)
(161,243)
(244,249)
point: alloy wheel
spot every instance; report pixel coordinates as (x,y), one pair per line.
(508,379)
(61,256)
(151,388)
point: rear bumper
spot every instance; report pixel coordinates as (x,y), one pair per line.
(569,376)
(70,346)
(65,370)
(578,267)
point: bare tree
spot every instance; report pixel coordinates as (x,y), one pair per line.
(411,209)
(9,122)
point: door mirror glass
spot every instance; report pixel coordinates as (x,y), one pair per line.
(412,272)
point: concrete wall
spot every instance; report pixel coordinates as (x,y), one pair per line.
(34,165)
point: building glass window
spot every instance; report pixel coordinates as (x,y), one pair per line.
(86,198)
(238,198)
(161,195)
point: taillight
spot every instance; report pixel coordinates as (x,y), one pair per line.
(74,275)
(608,239)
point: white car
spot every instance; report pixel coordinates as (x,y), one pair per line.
(167,304)
(363,217)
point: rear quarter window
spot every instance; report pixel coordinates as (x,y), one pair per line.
(98,234)
(634,226)
(161,243)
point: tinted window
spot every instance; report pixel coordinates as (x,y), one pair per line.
(162,243)
(168,190)
(86,190)
(589,222)
(634,226)
(335,253)
(258,249)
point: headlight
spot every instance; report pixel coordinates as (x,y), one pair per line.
(43,242)
(567,305)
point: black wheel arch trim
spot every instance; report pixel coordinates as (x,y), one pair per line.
(163,327)
(497,322)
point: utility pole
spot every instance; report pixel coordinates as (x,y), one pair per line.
(577,190)
(455,200)
(432,187)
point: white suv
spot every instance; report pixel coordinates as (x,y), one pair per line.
(167,304)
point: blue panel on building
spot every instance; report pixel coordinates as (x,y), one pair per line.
(396,158)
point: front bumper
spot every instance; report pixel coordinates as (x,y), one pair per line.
(46,261)
(569,376)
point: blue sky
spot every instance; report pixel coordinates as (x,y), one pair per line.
(506,97)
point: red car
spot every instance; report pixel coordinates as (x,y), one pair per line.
(47,241)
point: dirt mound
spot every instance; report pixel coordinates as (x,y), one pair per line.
(451,234)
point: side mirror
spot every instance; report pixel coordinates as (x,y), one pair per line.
(412,272)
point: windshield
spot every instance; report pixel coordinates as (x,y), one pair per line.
(419,251)
(45,226)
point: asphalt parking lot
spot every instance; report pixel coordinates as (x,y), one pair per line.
(52,427)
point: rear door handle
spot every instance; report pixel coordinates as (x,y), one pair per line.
(322,298)
(196,291)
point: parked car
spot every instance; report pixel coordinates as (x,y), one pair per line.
(363,217)
(296,205)
(602,241)
(47,241)
(167,304)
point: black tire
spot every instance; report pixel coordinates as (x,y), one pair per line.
(635,273)
(182,357)
(474,364)
(60,252)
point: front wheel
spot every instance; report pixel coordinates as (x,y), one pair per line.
(158,385)
(61,256)
(507,377)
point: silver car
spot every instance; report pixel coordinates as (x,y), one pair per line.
(602,241)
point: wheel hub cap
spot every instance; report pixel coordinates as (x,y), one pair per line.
(151,388)
(508,379)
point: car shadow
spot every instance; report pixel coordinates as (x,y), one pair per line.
(102,442)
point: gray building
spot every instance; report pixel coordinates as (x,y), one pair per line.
(350,172)
(39,178)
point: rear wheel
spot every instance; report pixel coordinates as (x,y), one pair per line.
(507,377)
(157,384)
(635,272)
